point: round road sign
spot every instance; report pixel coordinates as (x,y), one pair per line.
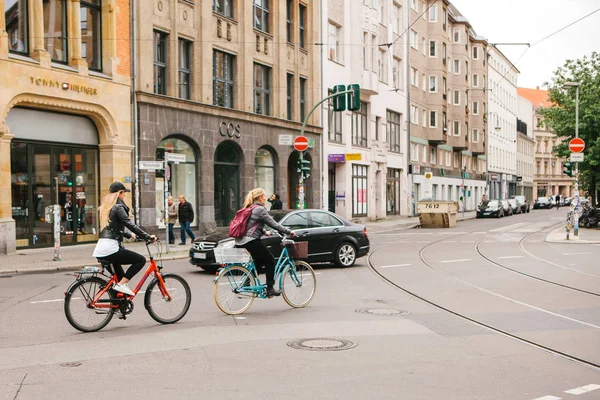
(576,145)
(428,175)
(301,143)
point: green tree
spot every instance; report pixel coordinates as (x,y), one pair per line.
(561,116)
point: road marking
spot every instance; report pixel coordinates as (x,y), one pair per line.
(450,241)
(318,273)
(51,301)
(422,241)
(239,317)
(573,254)
(510,227)
(453,233)
(394,266)
(548,398)
(479,233)
(505,257)
(583,389)
(453,261)
(468,241)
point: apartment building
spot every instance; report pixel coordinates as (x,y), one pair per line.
(525,148)
(64,112)
(502,125)
(447,78)
(365,150)
(224,86)
(548,178)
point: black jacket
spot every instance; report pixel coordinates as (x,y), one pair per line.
(118,221)
(186,212)
(277,204)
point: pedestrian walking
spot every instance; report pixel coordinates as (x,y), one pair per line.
(275,201)
(186,217)
(172,211)
(557,198)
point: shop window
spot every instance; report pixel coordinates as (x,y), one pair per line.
(262,89)
(55,29)
(261,15)
(160,62)
(264,171)
(223,79)
(16,16)
(359,190)
(91,33)
(393,191)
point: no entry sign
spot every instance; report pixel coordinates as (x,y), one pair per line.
(301,143)
(576,145)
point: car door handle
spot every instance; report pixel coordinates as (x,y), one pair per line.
(336,230)
(304,234)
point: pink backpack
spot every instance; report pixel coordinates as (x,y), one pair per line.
(237,227)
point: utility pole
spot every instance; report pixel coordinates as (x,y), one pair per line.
(576,195)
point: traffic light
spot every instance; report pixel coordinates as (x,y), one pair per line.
(354,97)
(339,102)
(304,168)
(568,169)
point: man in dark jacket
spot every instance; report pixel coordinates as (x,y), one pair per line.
(186,216)
(276,202)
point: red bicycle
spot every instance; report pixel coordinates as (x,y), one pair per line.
(90,301)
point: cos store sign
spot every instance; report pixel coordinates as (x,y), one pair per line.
(229,129)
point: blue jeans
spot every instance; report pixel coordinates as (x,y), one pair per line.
(171,234)
(185,227)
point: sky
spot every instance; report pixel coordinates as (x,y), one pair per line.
(528,21)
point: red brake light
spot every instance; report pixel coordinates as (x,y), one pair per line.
(365,232)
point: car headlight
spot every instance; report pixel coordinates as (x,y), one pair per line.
(228,244)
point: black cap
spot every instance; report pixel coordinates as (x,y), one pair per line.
(117,187)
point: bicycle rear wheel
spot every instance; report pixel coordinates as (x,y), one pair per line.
(78,310)
(299,284)
(160,307)
(226,286)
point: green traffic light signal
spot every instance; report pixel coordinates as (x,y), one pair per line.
(339,102)
(568,169)
(354,97)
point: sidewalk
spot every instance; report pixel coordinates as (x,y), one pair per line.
(397,223)
(586,236)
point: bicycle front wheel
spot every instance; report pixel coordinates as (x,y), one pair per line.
(162,308)
(227,293)
(299,284)
(78,305)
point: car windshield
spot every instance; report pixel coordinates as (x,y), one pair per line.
(513,202)
(492,203)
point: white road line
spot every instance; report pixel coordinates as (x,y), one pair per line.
(573,254)
(318,273)
(505,257)
(453,261)
(468,241)
(452,233)
(422,241)
(510,227)
(479,233)
(47,301)
(239,317)
(394,266)
(583,389)
(548,398)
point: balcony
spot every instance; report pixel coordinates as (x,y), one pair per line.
(437,136)
(458,142)
(369,82)
(477,148)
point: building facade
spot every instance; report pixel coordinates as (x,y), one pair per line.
(223,86)
(502,125)
(65,131)
(548,178)
(365,149)
(525,148)
(447,78)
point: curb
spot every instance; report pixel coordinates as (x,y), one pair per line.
(395,228)
(549,239)
(70,267)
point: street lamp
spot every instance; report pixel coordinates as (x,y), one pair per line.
(487,151)
(576,195)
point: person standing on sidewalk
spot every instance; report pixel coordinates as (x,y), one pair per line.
(186,217)
(557,198)
(172,211)
(114,218)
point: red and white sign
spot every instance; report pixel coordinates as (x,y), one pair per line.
(576,145)
(301,143)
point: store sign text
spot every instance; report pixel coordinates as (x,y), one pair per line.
(65,85)
(229,129)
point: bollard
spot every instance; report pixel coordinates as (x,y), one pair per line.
(56,232)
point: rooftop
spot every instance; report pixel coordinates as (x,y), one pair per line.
(538,97)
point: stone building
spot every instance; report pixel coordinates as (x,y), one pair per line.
(65,131)
(224,86)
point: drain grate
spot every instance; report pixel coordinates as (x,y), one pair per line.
(322,344)
(70,364)
(382,311)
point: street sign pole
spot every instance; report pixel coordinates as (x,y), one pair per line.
(166,175)
(576,213)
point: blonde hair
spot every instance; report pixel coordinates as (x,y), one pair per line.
(106,205)
(253,195)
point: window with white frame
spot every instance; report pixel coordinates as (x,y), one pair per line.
(414,152)
(432,84)
(475,135)
(432,48)
(414,114)
(455,160)
(441,157)
(374,46)
(475,108)
(396,18)
(424,118)
(448,158)
(414,40)
(456,67)
(432,155)
(456,98)
(398,81)
(335,39)
(383,68)
(365,53)
(359,126)
(433,13)
(414,76)
(424,154)
(475,80)
(414,5)
(433,119)
(424,82)
(456,128)
(424,45)
(456,36)
(393,131)
(423,8)
(261,15)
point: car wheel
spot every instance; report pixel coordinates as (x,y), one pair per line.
(345,256)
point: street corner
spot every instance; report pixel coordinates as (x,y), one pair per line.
(587,236)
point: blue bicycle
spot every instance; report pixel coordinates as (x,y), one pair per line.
(237,284)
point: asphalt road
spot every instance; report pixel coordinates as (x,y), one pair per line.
(422,285)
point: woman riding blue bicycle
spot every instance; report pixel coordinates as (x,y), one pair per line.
(257,198)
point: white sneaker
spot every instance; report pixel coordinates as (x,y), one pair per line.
(123,288)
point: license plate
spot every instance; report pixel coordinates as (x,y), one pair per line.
(200,255)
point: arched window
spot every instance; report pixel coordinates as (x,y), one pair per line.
(264,171)
(182,176)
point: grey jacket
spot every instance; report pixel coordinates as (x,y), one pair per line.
(256,224)
(173,213)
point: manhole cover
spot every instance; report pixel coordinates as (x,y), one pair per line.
(70,364)
(382,311)
(322,344)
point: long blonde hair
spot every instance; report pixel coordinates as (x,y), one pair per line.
(106,205)
(253,195)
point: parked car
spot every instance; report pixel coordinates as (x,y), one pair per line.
(515,206)
(330,238)
(542,203)
(525,206)
(490,208)
(507,208)
(568,201)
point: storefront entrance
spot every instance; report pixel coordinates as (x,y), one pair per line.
(227,183)
(46,174)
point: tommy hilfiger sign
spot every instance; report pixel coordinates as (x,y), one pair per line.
(65,85)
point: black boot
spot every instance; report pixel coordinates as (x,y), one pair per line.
(271,291)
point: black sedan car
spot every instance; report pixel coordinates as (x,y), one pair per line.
(330,238)
(542,202)
(490,208)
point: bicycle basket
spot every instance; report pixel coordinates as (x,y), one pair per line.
(298,249)
(230,256)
